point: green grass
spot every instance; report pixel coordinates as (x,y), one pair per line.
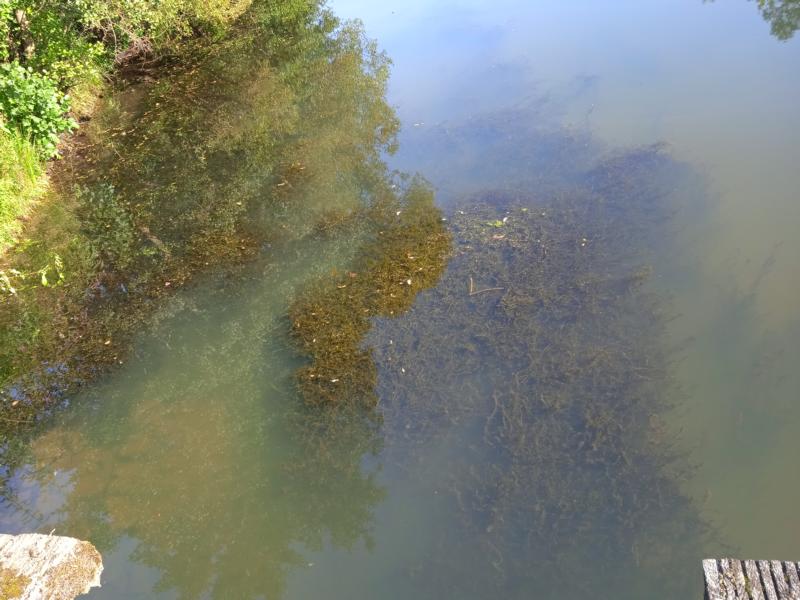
(22,182)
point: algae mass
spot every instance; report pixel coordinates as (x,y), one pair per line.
(405,251)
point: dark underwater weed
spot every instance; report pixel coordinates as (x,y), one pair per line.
(406,252)
(539,347)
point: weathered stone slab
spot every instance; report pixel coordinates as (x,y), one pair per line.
(47,567)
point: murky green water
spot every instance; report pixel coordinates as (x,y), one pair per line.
(553,418)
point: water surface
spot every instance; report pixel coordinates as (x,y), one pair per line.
(711,81)
(198,472)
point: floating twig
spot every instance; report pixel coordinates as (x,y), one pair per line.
(474,292)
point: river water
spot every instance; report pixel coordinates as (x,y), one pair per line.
(673,436)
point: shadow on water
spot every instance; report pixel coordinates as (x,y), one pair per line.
(199,471)
(250,140)
(193,466)
(198,462)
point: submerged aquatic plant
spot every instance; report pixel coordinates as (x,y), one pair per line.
(538,354)
(555,374)
(405,252)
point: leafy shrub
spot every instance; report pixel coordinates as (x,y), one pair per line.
(32,104)
(127,23)
(782,15)
(62,49)
(5,30)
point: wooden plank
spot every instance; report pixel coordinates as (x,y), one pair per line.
(711,574)
(794,581)
(725,584)
(754,586)
(766,578)
(781,584)
(738,580)
(732,579)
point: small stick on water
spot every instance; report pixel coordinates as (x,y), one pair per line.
(494,289)
(474,292)
(7,420)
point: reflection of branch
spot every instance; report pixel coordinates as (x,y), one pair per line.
(783,16)
(474,292)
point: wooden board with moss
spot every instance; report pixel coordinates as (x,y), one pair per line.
(734,579)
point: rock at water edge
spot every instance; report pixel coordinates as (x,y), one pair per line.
(38,567)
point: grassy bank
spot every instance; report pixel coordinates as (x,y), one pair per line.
(22,181)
